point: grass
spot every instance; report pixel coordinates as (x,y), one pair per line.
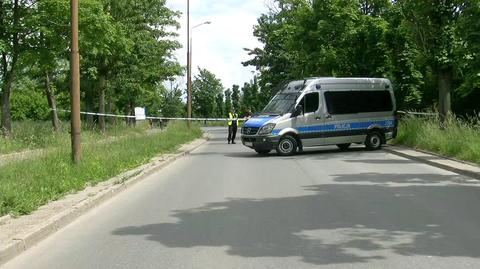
(459,139)
(35,135)
(26,185)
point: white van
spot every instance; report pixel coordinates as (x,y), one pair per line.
(324,111)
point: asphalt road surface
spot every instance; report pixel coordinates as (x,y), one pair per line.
(226,207)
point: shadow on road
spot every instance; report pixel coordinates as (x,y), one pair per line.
(321,153)
(344,222)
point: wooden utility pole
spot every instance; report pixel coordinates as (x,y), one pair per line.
(189,68)
(75,86)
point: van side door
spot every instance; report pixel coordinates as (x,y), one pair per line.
(308,124)
(341,113)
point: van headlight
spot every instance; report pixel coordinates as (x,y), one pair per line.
(266,129)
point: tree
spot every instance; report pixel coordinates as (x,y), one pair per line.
(228,101)
(236,98)
(422,46)
(51,48)
(251,98)
(434,25)
(205,88)
(171,102)
(15,38)
(220,106)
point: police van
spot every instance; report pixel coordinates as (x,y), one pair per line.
(324,111)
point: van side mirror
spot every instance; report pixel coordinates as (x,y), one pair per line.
(298,111)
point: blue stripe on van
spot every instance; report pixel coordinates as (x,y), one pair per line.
(341,126)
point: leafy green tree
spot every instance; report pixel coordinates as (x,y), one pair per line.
(171,102)
(434,26)
(205,88)
(236,98)
(228,101)
(16,20)
(51,47)
(251,99)
(421,45)
(220,106)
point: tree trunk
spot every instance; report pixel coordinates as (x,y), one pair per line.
(89,106)
(9,74)
(6,127)
(101,103)
(52,102)
(445,77)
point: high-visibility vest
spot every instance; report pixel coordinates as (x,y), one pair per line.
(232,117)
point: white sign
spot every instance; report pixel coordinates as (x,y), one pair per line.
(140,113)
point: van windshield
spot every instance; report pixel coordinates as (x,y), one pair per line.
(280,104)
(285,99)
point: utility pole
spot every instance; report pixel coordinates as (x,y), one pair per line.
(75,86)
(189,69)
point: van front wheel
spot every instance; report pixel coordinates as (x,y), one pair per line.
(373,141)
(287,146)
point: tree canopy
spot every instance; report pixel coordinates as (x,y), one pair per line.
(429,49)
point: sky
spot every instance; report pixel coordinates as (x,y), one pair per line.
(218,46)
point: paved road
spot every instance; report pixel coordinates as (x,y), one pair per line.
(226,207)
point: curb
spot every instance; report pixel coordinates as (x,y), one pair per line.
(446,163)
(105,190)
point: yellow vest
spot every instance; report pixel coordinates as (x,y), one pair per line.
(231,117)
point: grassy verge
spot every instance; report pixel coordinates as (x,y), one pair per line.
(35,135)
(460,139)
(26,185)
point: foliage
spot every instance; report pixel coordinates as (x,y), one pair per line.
(236,98)
(126,51)
(228,101)
(420,45)
(220,106)
(171,102)
(29,102)
(205,89)
(251,97)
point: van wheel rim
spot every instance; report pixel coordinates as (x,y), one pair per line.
(286,146)
(375,141)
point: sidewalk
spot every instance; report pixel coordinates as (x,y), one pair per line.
(20,234)
(456,166)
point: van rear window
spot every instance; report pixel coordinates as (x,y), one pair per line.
(350,102)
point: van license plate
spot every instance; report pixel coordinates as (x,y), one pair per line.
(249,144)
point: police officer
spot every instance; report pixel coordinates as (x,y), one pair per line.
(232,126)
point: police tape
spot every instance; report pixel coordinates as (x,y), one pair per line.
(417,113)
(148,117)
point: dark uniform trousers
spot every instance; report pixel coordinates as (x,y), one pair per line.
(232,132)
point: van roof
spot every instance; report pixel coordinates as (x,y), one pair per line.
(332,80)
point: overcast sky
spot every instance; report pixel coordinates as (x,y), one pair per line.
(218,47)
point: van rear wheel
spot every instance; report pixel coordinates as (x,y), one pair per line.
(343,146)
(287,146)
(373,141)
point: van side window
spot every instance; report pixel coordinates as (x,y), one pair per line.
(311,102)
(351,102)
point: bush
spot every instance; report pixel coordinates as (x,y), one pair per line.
(29,102)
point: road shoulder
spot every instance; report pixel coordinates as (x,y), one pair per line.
(456,166)
(20,234)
